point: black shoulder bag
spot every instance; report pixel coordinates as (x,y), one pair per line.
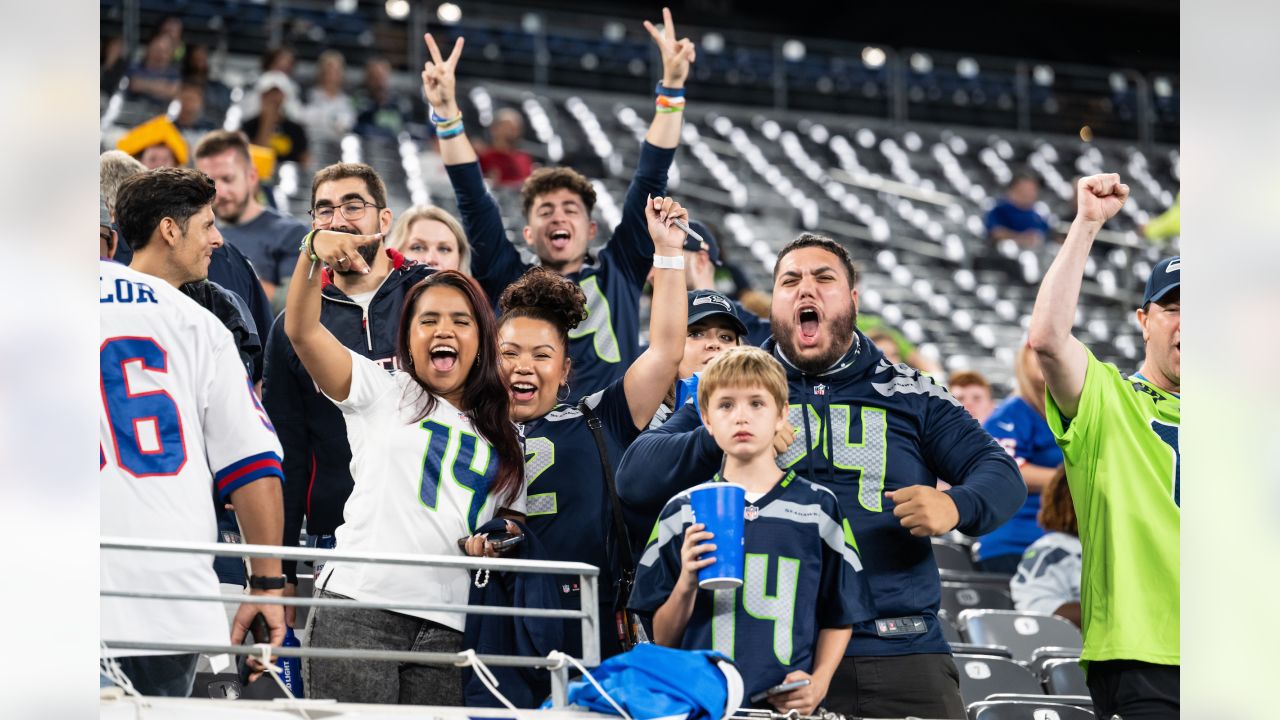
(630,631)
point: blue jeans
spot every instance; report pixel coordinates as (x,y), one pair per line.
(162,675)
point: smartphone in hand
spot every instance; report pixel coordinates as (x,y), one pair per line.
(779,689)
(500,541)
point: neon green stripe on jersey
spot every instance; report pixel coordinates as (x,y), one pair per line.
(1121,456)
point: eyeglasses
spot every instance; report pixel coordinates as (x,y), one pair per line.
(351,210)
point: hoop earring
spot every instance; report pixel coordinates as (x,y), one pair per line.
(567,392)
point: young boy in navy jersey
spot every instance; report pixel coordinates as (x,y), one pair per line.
(802,583)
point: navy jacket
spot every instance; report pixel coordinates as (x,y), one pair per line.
(312,431)
(866,427)
(499,635)
(608,341)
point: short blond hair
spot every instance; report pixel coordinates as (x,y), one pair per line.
(400,232)
(743,366)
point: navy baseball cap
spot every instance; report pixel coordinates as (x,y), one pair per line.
(704,304)
(709,243)
(1166,276)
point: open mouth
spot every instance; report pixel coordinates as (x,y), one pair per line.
(523,392)
(559,239)
(444,358)
(808,322)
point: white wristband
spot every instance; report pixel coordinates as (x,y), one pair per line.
(668,262)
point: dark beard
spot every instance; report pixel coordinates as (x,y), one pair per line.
(368,252)
(841,331)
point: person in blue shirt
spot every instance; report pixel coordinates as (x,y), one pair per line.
(795,540)
(1014,215)
(557,203)
(1019,426)
(879,436)
(569,506)
(714,326)
(702,259)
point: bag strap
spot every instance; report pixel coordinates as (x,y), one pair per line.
(619,522)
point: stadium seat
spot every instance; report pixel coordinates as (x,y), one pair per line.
(1064,676)
(306,588)
(952,557)
(959,597)
(1022,632)
(1043,655)
(219,686)
(984,675)
(959,648)
(1022,710)
(950,630)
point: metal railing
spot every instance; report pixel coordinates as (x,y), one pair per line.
(587,575)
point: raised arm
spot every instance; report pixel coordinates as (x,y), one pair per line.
(664,461)
(440,85)
(1062,357)
(648,378)
(495,262)
(326,359)
(677,55)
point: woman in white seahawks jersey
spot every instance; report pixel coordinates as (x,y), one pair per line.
(434,456)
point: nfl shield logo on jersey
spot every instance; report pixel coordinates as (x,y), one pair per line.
(751,513)
(819,389)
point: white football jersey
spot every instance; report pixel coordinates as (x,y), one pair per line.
(419,486)
(178,425)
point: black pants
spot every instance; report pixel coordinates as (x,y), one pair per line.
(926,685)
(1134,690)
(163,675)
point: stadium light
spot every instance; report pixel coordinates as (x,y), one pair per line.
(345,6)
(1043,75)
(448,13)
(614,31)
(967,67)
(793,50)
(531,23)
(397,9)
(713,42)
(1163,87)
(920,62)
(1118,82)
(872,57)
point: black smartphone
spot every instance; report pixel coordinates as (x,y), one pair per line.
(500,541)
(778,690)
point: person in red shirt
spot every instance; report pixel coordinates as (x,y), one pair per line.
(502,162)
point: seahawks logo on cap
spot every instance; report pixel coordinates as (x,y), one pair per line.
(1174,266)
(713,299)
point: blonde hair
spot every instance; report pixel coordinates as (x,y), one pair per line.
(1028,390)
(743,366)
(400,233)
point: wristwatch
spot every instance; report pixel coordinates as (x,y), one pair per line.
(258,582)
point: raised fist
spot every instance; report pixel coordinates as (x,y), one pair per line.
(1100,197)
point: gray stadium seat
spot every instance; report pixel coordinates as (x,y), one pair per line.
(957,598)
(952,557)
(1063,676)
(1022,632)
(1013,710)
(983,675)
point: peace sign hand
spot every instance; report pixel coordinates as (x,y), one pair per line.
(438,81)
(677,55)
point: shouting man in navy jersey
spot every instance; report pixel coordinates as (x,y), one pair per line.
(557,204)
(879,435)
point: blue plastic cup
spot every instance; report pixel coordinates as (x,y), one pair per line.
(720,506)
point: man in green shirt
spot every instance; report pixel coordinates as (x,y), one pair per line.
(1119,438)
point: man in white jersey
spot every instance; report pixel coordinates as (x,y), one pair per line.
(178,422)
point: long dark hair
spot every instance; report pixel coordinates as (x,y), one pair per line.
(485,390)
(1057,510)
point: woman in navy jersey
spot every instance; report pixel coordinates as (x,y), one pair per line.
(568,501)
(434,456)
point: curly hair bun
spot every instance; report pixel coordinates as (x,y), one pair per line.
(541,292)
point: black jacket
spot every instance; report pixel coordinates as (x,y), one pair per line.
(312,431)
